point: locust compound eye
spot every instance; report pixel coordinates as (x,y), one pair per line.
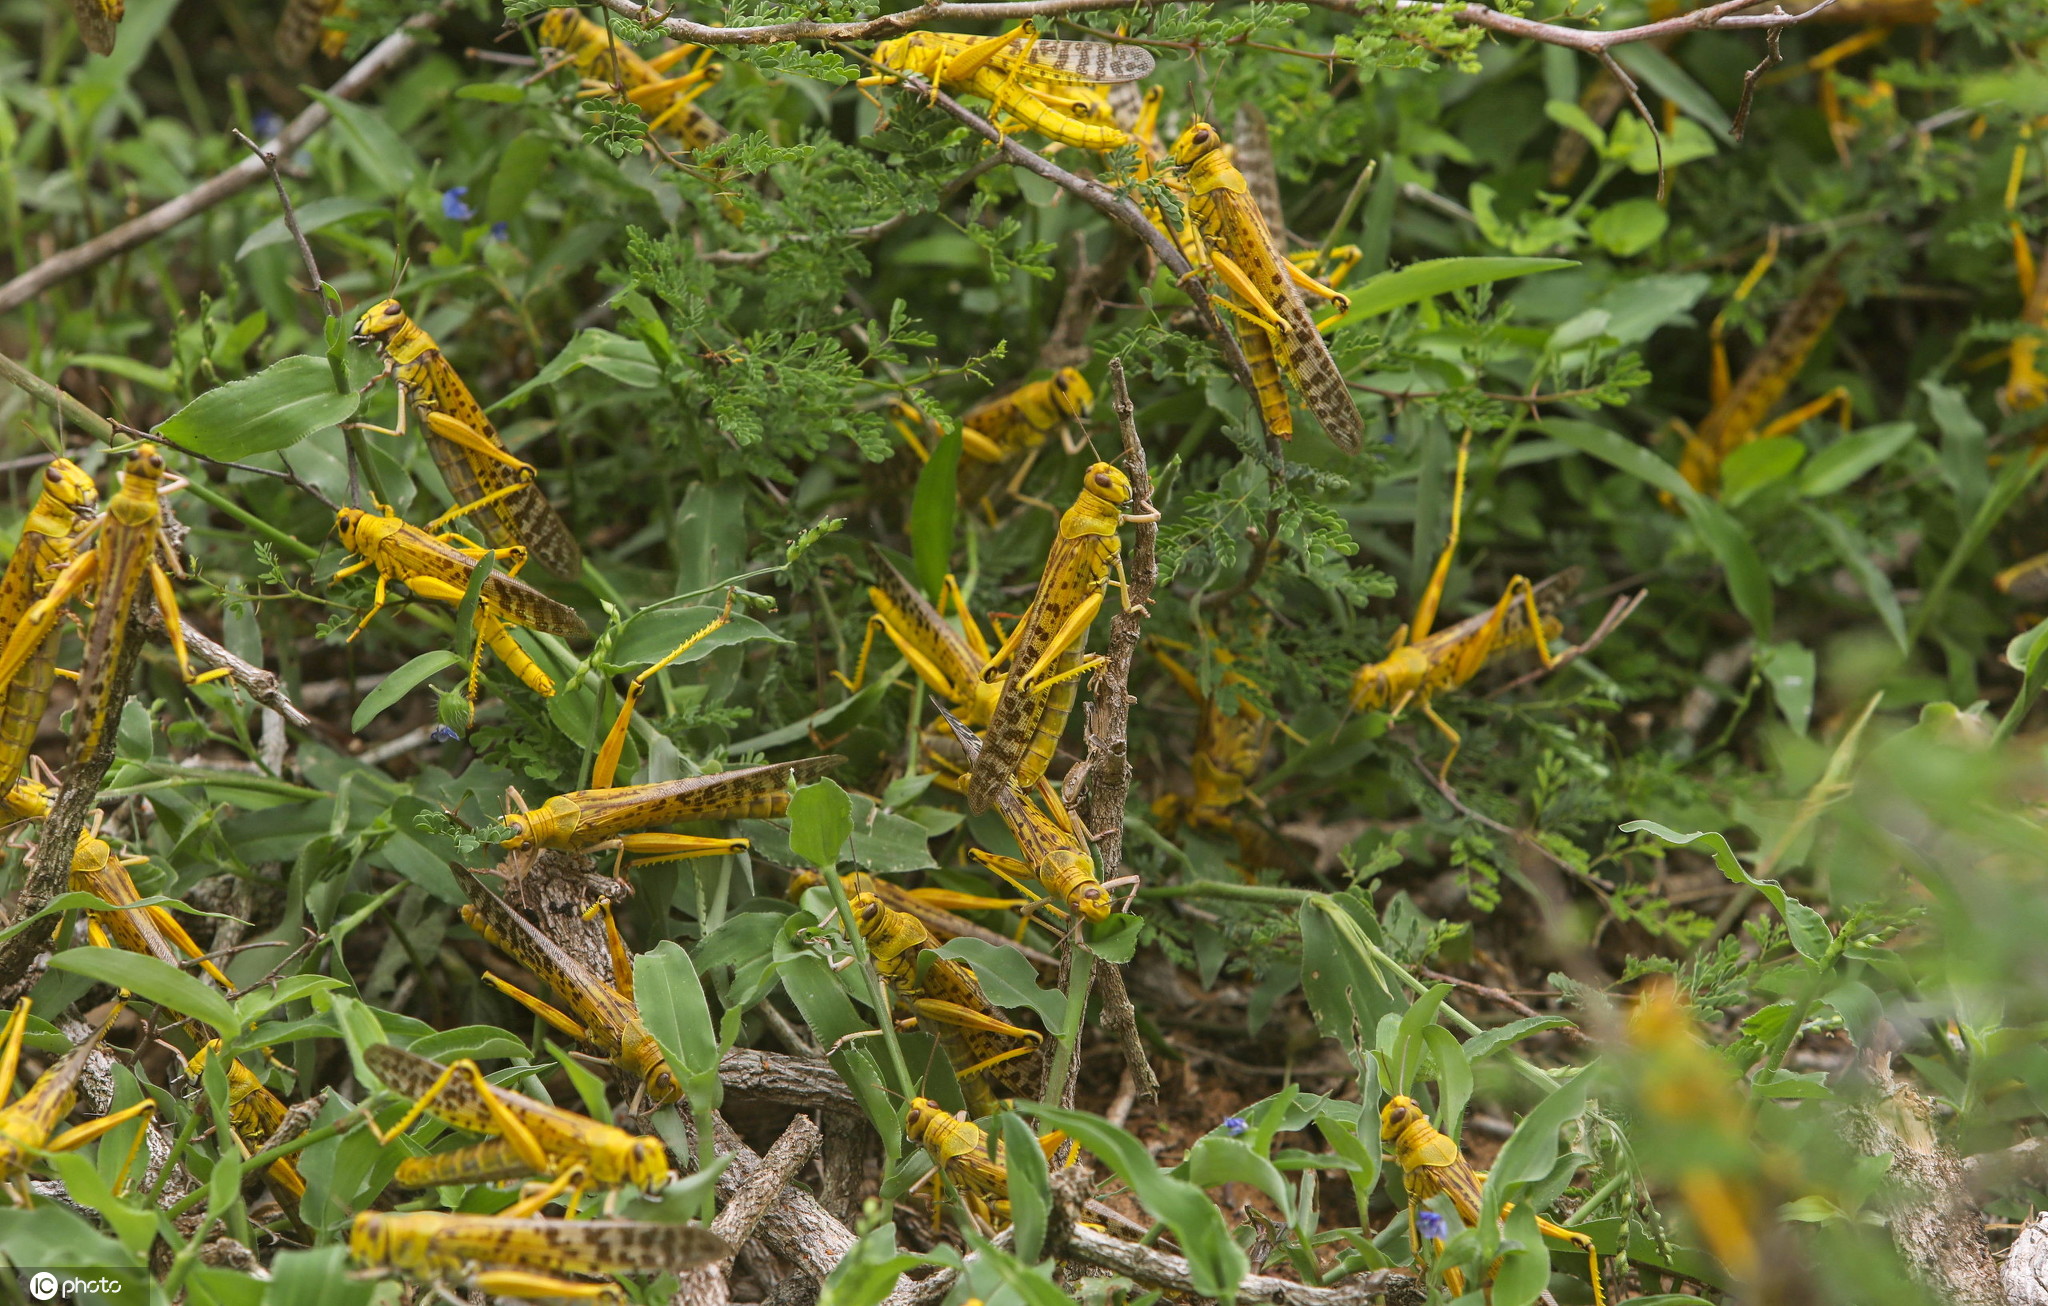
(662,1086)
(52,475)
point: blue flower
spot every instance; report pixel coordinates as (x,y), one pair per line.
(1234,1126)
(455,205)
(267,124)
(501,231)
(1431,1225)
(443,735)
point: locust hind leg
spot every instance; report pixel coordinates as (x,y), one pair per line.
(551,1015)
(78,1136)
(606,768)
(1457,741)
(10,1047)
(1433,593)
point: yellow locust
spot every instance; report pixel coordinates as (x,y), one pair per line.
(601,1013)
(1008,429)
(1432,1166)
(949,661)
(1265,286)
(483,477)
(28,1124)
(256,1114)
(98,22)
(1740,406)
(63,511)
(1230,752)
(151,931)
(946,1000)
(129,551)
(1424,662)
(933,907)
(1021,76)
(440,567)
(608,65)
(529,1137)
(309,23)
(1055,854)
(1046,652)
(969,1159)
(515,1255)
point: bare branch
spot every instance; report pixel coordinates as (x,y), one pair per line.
(291,224)
(1722,15)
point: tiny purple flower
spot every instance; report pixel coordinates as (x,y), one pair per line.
(443,735)
(501,231)
(1234,1126)
(1430,1225)
(455,204)
(267,124)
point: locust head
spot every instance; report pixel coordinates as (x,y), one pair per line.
(647,1161)
(1381,684)
(368,1239)
(379,323)
(1397,1115)
(1071,394)
(1106,481)
(1196,143)
(145,465)
(66,488)
(923,1114)
(1091,900)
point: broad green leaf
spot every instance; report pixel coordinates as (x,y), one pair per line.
(1805,926)
(1854,552)
(1841,463)
(1568,114)
(1438,276)
(1215,1262)
(868,1273)
(324,212)
(1030,1188)
(820,820)
(1532,1149)
(520,169)
(629,362)
(274,409)
(319,1277)
(1789,669)
(153,981)
(1662,74)
(1008,977)
(652,634)
(473,591)
(1493,1040)
(156,378)
(400,683)
(1218,1159)
(671,999)
(1630,227)
(1348,987)
(932,506)
(1758,464)
(1116,940)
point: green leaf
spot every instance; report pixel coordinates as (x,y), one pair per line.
(1630,227)
(1438,276)
(1215,1262)
(1218,1159)
(2029,653)
(869,1271)
(312,217)
(1662,74)
(319,1277)
(1532,1149)
(1347,986)
(1008,977)
(931,515)
(1030,1187)
(629,362)
(820,821)
(153,981)
(671,999)
(1841,463)
(400,683)
(274,409)
(1789,669)
(1854,553)
(473,592)
(652,634)
(382,154)
(1116,939)
(156,378)
(1759,463)
(520,168)
(1493,1040)
(1803,925)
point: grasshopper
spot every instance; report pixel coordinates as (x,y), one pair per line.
(978,1038)
(1020,75)
(601,1012)
(129,550)
(98,22)
(1055,854)
(591,820)
(481,473)
(1253,155)
(1432,1166)
(255,1113)
(1265,286)
(63,512)
(933,907)
(606,64)
(1230,752)
(1006,429)
(530,1137)
(949,661)
(513,1255)
(2026,386)
(27,1123)
(439,567)
(1423,663)
(1046,652)
(1740,406)
(969,1159)
(309,23)
(151,931)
